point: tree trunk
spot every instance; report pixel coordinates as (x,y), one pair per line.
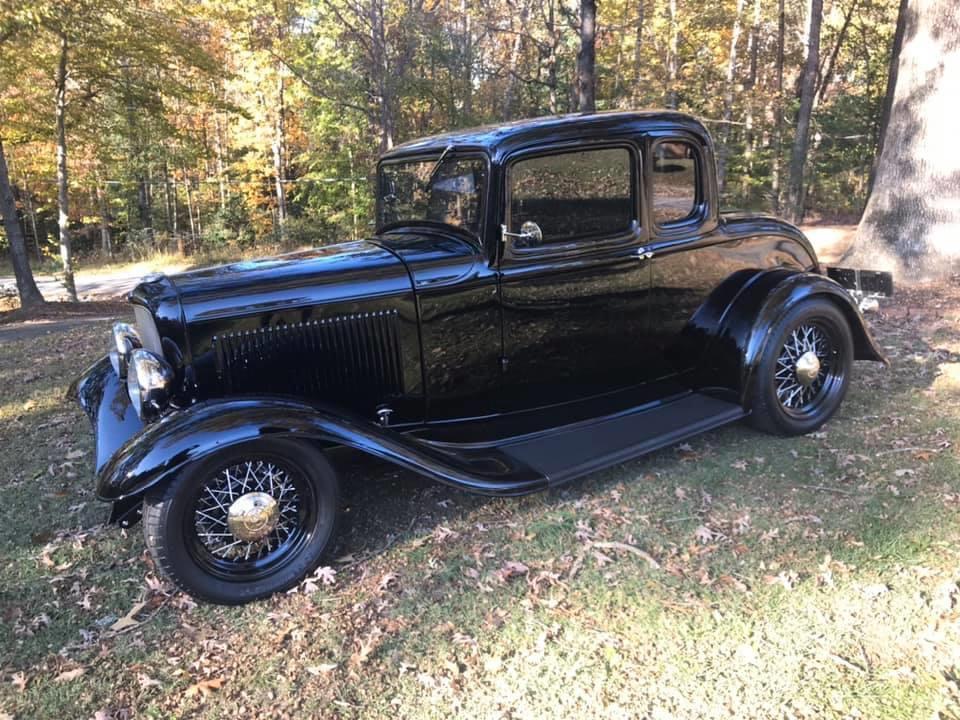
(509,95)
(912,219)
(63,198)
(891,88)
(727,114)
(587,57)
(826,76)
(801,140)
(673,51)
(106,241)
(26,286)
(181,246)
(279,141)
(553,61)
(753,50)
(380,69)
(218,147)
(638,46)
(777,170)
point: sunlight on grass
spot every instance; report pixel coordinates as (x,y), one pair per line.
(813,577)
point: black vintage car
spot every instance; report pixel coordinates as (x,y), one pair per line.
(540,300)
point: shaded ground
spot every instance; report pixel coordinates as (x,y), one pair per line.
(813,577)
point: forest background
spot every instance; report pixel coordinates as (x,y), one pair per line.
(132,127)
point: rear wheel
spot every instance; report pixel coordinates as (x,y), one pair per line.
(244,523)
(804,371)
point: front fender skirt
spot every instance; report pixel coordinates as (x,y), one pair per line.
(182,437)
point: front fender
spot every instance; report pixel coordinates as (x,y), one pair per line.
(182,437)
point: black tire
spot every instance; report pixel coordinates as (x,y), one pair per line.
(775,405)
(182,521)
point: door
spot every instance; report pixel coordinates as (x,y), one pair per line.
(574,302)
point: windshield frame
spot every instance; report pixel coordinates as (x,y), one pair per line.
(448,154)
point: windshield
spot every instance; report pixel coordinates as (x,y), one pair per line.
(420,190)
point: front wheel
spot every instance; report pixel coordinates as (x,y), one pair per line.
(245,523)
(804,370)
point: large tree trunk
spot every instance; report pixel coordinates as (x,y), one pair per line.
(801,140)
(63,198)
(26,286)
(587,57)
(912,220)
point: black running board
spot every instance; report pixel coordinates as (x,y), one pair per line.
(574,451)
(517,466)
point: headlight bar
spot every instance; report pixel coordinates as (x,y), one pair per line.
(126,339)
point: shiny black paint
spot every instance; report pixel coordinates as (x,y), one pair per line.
(496,342)
(103,397)
(181,438)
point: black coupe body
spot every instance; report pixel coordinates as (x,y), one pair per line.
(540,300)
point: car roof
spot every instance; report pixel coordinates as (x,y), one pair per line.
(498,139)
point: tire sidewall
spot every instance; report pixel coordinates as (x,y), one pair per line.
(166,513)
(767,409)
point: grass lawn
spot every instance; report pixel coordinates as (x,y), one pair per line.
(738,575)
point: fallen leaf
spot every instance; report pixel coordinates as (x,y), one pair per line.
(68,675)
(204,687)
(19,680)
(512,569)
(129,620)
(388,581)
(74,454)
(321,669)
(146,681)
(703,534)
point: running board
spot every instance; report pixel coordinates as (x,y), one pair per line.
(574,451)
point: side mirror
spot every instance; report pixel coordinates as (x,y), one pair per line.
(530,234)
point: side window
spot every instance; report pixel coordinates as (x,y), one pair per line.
(675,178)
(574,194)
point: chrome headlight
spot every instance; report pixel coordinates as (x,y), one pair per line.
(126,339)
(149,382)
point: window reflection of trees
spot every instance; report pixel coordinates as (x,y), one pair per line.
(573,194)
(674,182)
(452,195)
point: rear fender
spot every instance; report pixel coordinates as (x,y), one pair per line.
(740,316)
(183,437)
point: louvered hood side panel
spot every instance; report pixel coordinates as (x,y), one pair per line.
(354,359)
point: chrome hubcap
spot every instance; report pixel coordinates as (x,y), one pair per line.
(803,367)
(246,511)
(807,368)
(253,516)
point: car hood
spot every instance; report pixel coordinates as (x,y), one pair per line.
(344,272)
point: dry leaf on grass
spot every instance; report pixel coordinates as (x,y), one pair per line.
(204,687)
(511,569)
(19,680)
(68,675)
(321,669)
(130,619)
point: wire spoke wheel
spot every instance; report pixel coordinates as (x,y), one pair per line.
(249,518)
(808,368)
